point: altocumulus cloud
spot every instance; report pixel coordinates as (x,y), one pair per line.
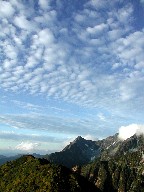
(107,53)
(89,55)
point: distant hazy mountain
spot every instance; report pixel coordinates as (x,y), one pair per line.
(4,159)
(2,156)
(28,174)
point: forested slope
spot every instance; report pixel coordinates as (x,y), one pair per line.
(29,174)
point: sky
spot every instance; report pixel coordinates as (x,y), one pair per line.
(69,68)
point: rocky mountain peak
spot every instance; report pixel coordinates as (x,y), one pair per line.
(79,139)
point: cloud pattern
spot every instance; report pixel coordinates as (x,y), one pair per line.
(79,62)
(90,55)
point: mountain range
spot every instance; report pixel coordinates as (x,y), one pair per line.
(82,151)
(108,165)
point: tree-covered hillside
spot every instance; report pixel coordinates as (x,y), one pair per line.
(123,173)
(29,174)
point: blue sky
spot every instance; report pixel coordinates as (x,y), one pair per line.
(69,68)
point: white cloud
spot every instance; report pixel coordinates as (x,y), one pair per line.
(126,132)
(126,93)
(68,141)
(139,65)
(97,4)
(11,52)
(46,37)
(51,124)
(98,29)
(115,34)
(124,14)
(29,106)
(90,137)
(101,117)
(142,1)
(22,22)
(6,9)
(130,48)
(44,4)
(33,137)
(27,146)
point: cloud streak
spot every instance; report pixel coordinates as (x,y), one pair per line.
(75,126)
(35,137)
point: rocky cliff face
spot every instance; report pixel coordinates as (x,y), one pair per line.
(82,151)
(78,152)
(119,147)
(122,173)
